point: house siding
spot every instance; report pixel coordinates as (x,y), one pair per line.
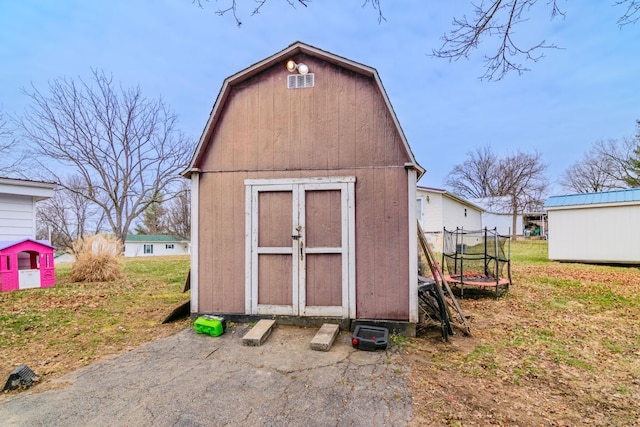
(136,249)
(341,127)
(454,216)
(17,217)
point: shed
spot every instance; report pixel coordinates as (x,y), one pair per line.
(438,209)
(26,264)
(595,227)
(303,195)
(154,245)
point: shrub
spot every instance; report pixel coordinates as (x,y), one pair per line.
(98,259)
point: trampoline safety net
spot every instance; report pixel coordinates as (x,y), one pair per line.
(475,255)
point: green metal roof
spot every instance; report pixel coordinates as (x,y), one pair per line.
(153,238)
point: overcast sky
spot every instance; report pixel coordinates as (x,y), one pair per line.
(588,90)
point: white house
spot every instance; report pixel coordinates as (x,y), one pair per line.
(595,227)
(498,214)
(437,209)
(155,245)
(18,199)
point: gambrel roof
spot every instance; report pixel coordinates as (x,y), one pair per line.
(281,57)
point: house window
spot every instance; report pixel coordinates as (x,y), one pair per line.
(148,249)
(168,246)
(8,263)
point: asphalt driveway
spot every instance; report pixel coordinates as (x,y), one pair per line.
(195,380)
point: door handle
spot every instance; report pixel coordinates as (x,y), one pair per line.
(301,250)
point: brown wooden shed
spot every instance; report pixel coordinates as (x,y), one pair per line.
(303,195)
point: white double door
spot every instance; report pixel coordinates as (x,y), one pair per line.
(300,247)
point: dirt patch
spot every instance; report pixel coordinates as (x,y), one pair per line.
(562,349)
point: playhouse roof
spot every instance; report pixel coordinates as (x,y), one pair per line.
(294,49)
(5,244)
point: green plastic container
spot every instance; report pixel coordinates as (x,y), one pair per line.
(210,325)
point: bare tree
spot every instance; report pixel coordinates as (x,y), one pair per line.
(232,7)
(496,20)
(69,215)
(594,172)
(178,216)
(493,20)
(616,156)
(10,156)
(476,176)
(633,163)
(519,178)
(125,148)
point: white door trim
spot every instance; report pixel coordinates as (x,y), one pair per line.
(298,186)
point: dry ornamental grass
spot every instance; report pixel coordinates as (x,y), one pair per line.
(98,259)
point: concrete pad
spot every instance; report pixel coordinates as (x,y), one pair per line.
(259,333)
(192,380)
(325,337)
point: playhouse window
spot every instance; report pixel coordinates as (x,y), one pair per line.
(148,249)
(168,246)
(8,262)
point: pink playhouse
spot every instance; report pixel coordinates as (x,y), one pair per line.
(26,264)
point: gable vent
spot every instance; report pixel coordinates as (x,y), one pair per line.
(298,81)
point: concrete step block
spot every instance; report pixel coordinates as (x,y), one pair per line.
(259,333)
(325,337)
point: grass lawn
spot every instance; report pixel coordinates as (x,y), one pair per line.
(59,329)
(562,348)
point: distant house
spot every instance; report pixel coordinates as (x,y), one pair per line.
(498,214)
(595,227)
(26,264)
(18,199)
(154,245)
(62,257)
(437,209)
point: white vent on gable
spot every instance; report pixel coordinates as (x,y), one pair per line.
(297,81)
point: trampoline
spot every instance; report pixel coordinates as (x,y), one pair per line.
(477,258)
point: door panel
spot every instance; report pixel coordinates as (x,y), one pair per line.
(275,219)
(275,279)
(323,218)
(323,280)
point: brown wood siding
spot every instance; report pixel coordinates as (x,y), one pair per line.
(342,122)
(341,127)
(221,244)
(382,245)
